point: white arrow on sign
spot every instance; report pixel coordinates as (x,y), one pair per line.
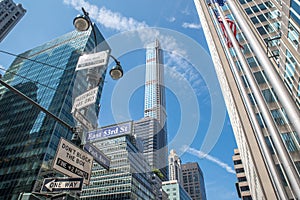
(85,99)
(62,185)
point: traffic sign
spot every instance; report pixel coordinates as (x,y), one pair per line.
(85,99)
(92,60)
(62,184)
(98,155)
(83,121)
(72,161)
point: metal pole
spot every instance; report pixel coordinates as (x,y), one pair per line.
(291,173)
(37,105)
(284,96)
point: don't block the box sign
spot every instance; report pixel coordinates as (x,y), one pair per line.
(72,161)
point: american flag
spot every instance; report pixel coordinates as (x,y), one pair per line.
(231,25)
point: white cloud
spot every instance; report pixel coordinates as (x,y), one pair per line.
(116,21)
(171,19)
(201,154)
(191,25)
(106,17)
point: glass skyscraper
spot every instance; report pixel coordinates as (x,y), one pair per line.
(155,100)
(265,133)
(129,175)
(154,139)
(28,137)
(152,129)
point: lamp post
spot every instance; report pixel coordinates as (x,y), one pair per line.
(83,23)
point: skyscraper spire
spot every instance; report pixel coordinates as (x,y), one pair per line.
(155,102)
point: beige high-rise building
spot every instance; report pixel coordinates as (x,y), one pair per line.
(259,78)
(175,172)
(10,15)
(242,185)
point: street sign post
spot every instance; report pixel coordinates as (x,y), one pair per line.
(83,121)
(62,184)
(72,161)
(92,60)
(98,155)
(85,99)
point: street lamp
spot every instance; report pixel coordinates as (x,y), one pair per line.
(83,23)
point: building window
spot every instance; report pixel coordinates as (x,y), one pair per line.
(261,30)
(269,95)
(240,170)
(299,88)
(293,35)
(248,11)
(242,179)
(291,140)
(278,118)
(237,162)
(245,188)
(260,78)
(252,62)
(254,20)
(270,144)
(290,67)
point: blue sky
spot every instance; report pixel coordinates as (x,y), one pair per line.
(198,125)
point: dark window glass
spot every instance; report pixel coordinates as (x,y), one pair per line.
(242,179)
(262,6)
(255,8)
(245,188)
(254,20)
(248,11)
(240,170)
(252,62)
(237,162)
(261,30)
(259,77)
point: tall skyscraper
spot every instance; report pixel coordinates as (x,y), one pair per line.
(193,181)
(175,171)
(10,15)
(253,80)
(155,100)
(152,129)
(28,137)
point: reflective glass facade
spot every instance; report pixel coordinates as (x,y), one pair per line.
(152,129)
(28,137)
(175,190)
(129,175)
(154,139)
(155,102)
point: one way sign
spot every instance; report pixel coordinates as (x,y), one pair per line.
(61,184)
